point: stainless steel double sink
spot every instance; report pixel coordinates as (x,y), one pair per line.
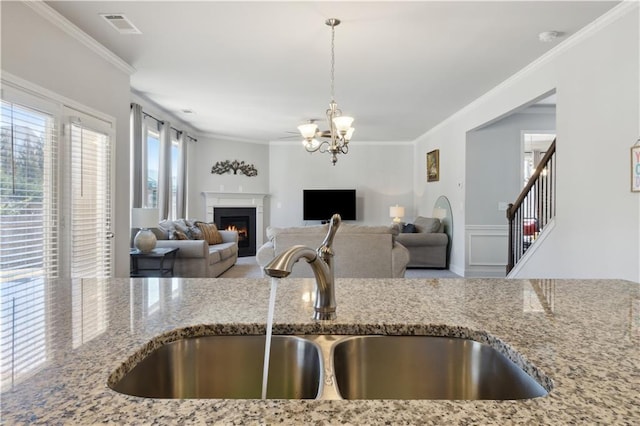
(329,367)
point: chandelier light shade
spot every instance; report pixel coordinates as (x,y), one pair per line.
(340,129)
(308,130)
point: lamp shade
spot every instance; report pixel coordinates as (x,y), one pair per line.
(396,211)
(144,218)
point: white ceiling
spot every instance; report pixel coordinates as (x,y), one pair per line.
(253,71)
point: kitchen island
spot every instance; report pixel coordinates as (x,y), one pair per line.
(581,335)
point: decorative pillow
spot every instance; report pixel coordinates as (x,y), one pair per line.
(195,233)
(210,232)
(181,225)
(427,224)
(167,228)
(179,235)
(409,228)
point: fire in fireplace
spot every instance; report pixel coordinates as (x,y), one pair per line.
(240,224)
(242,220)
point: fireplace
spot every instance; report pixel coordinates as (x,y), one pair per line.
(236,201)
(242,220)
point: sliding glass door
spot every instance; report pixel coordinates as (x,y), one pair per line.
(90,201)
(55,190)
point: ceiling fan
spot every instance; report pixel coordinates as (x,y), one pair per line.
(319,133)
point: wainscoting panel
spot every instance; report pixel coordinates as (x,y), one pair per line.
(486,250)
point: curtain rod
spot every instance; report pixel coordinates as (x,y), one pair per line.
(162,122)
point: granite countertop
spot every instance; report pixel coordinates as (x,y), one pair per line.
(69,336)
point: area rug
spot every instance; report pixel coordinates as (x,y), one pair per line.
(245,267)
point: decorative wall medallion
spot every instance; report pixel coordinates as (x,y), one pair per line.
(222,167)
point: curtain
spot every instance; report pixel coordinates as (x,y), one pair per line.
(137,139)
(164,174)
(181,204)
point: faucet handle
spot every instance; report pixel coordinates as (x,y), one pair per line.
(325,247)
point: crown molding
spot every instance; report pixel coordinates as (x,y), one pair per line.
(70,28)
(622,9)
(352,143)
(158,111)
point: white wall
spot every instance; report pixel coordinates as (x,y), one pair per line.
(39,52)
(494,176)
(381,174)
(494,165)
(597,224)
(206,152)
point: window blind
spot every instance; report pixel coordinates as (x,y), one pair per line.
(28,236)
(28,194)
(90,202)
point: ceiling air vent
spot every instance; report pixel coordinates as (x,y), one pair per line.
(121,23)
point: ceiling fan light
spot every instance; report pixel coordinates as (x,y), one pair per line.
(308,130)
(342,123)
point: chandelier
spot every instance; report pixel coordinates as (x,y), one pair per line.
(340,131)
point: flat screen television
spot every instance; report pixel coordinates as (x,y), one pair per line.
(321,204)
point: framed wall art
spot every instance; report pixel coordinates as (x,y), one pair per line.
(635,167)
(433,165)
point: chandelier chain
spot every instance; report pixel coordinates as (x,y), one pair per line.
(333,61)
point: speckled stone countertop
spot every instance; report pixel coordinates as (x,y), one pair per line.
(583,334)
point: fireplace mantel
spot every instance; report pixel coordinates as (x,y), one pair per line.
(237,199)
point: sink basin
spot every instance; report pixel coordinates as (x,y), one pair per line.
(427,367)
(227,367)
(357,367)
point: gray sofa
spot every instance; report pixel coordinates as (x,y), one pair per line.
(196,258)
(360,251)
(427,245)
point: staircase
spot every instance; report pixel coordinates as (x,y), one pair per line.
(533,209)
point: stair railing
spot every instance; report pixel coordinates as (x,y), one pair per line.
(533,209)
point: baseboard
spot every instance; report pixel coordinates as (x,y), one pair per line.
(456,270)
(486,272)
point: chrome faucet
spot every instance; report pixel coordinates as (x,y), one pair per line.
(321,262)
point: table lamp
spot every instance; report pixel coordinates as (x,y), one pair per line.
(397,213)
(145,239)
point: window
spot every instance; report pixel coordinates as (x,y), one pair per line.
(175,162)
(153,160)
(151,169)
(157,163)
